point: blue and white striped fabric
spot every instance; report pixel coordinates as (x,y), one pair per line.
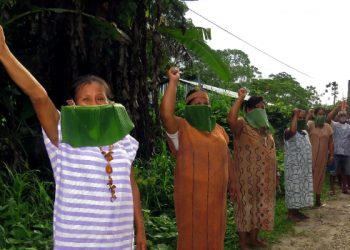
(84,216)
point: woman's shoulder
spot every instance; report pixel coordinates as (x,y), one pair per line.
(128,140)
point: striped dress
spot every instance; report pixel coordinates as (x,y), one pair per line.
(84,216)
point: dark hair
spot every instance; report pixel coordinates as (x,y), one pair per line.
(318,109)
(87,79)
(252,101)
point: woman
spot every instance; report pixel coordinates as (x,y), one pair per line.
(321,138)
(255,164)
(298,167)
(202,165)
(88,214)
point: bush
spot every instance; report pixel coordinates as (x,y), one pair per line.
(26,211)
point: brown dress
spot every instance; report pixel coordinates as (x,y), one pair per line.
(201,177)
(319,138)
(255,165)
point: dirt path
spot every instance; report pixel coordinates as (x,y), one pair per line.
(327,229)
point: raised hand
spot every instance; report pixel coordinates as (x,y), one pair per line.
(173,74)
(311,112)
(242,92)
(296,112)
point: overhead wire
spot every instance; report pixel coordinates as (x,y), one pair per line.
(249,44)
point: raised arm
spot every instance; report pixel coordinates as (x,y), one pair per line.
(232,117)
(310,115)
(333,113)
(290,132)
(44,108)
(167,106)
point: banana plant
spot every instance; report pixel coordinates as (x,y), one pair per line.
(193,38)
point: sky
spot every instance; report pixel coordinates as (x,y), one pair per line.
(312,36)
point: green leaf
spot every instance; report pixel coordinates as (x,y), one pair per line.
(192,39)
(110,29)
(2,237)
(20,232)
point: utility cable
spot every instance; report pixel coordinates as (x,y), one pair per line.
(249,44)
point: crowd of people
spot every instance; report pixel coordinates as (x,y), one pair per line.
(88,214)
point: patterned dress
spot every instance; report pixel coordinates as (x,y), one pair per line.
(84,216)
(298,171)
(201,177)
(319,138)
(255,165)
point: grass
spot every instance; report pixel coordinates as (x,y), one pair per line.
(26,209)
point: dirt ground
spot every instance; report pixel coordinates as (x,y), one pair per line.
(327,229)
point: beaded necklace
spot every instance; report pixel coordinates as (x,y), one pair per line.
(109,170)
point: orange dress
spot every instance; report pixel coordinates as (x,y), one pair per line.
(255,165)
(319,138)
(201,178)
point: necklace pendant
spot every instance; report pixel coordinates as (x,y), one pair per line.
(109,168)
(108,156)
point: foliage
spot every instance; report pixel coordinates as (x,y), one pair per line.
(62,42)
(14,127)
(155,179)
(161,231)
(238,63)
(240,66)
(281,225)
(25,210)
(282,89)
(193,40)
(333,88)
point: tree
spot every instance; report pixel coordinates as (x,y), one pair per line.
(282,93)
(240,69)
(283,88)
(333,86)
(121,41)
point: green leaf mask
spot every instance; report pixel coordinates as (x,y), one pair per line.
(319,120)
(301,125)
(90,126)
(200,117)
(257,118)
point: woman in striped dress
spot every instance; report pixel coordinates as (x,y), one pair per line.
(87,214)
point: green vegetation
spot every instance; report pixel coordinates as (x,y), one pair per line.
(128,43)
(25,210)
(26,213)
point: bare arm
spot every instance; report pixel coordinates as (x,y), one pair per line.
(167,106)
(139,225)
(331,148)
(289,133)
(232,117)
(44,108)
(333,113)
(310,115)
(232,184)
